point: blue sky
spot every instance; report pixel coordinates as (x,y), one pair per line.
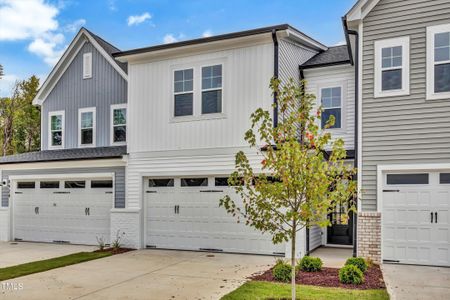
(34,33)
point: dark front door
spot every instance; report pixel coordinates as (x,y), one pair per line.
(341,230)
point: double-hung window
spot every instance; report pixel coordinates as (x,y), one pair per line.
(183,92)
(118,124)
(86,123)
(212,89)
(438,62)
(56,130)
(331,99)
(392,67)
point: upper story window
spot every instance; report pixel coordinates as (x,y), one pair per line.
(183,87)
(56,129)
(392,67)
(212,89)
(331,99)
(118,124)
(87,65)
(438,62)
(86,123)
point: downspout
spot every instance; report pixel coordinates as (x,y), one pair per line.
(275,75)
(355,62)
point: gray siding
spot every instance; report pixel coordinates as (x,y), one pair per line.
(72,92)
(119,201)
(291,56)
(404,129)
(315,237)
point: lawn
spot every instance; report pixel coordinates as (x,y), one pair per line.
(257,290)
(48,264)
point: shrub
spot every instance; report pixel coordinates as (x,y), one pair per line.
(310,264)
(282,271)
(351,274)
(359,262)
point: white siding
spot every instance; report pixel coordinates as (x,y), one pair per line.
(315,237)
(328,77)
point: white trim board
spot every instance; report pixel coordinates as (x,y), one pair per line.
(69,164)
(62,176)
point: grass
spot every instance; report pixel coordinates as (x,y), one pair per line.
(256,290)
(49,264)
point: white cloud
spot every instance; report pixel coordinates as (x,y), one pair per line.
(112,5)
(138,19)
(74,26)
(169,38)
(341,43)
(207,33)
(6,84)
(48,47)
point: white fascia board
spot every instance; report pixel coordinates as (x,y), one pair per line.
(62,175)
(360,10)
(87,163)
(305,40)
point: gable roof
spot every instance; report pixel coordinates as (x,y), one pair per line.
(83,36)
(336,55)
(360,10)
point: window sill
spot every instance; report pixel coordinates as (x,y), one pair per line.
(119,144)
(204,117)
(438,96)
(393,93)
(55,147)
(86,146)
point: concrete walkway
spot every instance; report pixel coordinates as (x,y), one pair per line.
(416,282)
(143,274)
(333,257)
(12,254)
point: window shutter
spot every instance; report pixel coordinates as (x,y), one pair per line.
(87,65)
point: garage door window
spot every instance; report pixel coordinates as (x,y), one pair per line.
(395,179)
(26,185)
(194,181)
(49,184)
(162,182)
(444,178)
(221,181)
(101,184)
(75,184)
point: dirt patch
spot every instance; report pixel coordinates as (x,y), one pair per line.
(115,251)
(329,277)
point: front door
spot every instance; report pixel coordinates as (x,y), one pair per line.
(341,230)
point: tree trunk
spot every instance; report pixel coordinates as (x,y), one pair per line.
(293,241)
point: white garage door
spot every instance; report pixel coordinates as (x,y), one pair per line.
(415,218)
(76,211)
(184,213)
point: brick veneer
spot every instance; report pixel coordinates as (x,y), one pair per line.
(369,235)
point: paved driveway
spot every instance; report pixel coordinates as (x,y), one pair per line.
(143,274)
(417,282)
(12,254)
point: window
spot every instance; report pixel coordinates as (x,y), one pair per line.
(444,178)
(86,123)
(26,185)
(395,179)
(49,184)
(80,184)
(392,67)
(438,62)
(212,89)
(184,92)
(163,182)
(118,124)
(56,129)
(194,181)
(221,181)
(101,184)
(87,65)
(331,99)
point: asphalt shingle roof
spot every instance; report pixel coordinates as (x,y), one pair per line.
(66,154)
(334,55)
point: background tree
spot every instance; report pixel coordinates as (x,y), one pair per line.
(1,71)
(297,185)
(8,110)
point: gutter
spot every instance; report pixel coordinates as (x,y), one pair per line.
(275,74)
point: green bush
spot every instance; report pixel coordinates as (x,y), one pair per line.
(359,262)
(351,274)
(282,271)
(310,264)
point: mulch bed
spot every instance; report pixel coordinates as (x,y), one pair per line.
(329,277)
(115,251)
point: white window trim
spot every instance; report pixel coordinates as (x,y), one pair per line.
(344,92)
(49,137)
(111,135)
(212,89)
(431,31)
(86,74)
(94,126)
(379,45)
(184,92)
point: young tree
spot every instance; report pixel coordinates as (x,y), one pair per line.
(298,183)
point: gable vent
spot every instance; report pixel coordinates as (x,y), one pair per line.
(87,65)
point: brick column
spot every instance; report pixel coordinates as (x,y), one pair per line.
(369,235)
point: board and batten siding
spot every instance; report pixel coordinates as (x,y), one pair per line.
(403,129)
(344,76)
(119,180)
(106,87)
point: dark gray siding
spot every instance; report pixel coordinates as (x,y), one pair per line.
(403,129)
(72,92)
(119,180)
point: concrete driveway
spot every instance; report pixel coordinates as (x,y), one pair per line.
(143,274)
(417,282)
(12,254)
